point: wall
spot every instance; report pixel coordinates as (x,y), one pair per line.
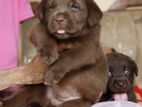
(105,4)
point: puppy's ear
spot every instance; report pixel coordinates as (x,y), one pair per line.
(94,13)
(40,11)
(134,67)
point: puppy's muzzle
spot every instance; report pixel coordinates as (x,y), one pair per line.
(120,83)
(60,19)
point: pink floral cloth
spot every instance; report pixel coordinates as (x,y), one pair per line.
(12,12)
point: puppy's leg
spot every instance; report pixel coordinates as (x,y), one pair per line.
(80,55)
(77,103)
(46,46)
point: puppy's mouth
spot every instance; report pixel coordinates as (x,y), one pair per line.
(119,88)
(61,34)
(120,97)
(120,94)
(61,31)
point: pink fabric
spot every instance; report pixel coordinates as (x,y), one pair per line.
(12,12)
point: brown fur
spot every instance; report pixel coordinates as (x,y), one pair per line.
(77,76)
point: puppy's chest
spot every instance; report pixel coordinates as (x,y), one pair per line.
(58,95)
(65,45)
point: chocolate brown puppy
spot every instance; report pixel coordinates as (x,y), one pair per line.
(77,76)
(122,72)
(73,23)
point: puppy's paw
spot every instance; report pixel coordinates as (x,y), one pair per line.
(49,54)
(52,77)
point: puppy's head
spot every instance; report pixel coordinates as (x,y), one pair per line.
(68,18)
(122,70)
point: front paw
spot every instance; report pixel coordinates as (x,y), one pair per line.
(49,54)
(52,78)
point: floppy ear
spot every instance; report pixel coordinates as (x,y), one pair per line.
(134,67)
(40,11)
(94,13)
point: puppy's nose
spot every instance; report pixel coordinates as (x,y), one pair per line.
(120,83)
(60,18)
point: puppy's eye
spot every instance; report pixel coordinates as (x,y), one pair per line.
(109,74)
(110,71)
(75,7)
(127,72)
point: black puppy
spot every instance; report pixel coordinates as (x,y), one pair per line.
(122,71)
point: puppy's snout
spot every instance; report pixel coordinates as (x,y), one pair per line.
(120,83)
(60,18)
